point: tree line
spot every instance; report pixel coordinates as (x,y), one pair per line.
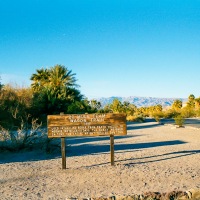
(55,89)
(24,110)
(191,108)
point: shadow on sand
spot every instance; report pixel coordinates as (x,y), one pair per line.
(149,123)
(143,126)
(89,146)
(81,149)
(90,149)
(155,158)
(76,140)
(194,122)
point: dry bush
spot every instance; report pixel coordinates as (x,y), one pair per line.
(19,130)
(25,137)
(14,102)
(5,139)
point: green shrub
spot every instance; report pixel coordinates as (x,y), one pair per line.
(157,116)
(187,112)
(171,113)
(179,120)
(197,113)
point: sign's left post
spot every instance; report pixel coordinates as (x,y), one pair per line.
(63,150)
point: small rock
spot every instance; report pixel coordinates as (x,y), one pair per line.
(25,194)
(39,195)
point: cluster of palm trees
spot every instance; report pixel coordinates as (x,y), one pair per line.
(55,88)
(56,77)
(192,103)
(119,107)
(191,109)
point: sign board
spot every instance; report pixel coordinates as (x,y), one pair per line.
(76,125)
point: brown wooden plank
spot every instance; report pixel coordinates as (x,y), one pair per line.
(86,125)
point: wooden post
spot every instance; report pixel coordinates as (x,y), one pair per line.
(63,151)
(112,149)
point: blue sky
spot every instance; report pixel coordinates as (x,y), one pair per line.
(115,47)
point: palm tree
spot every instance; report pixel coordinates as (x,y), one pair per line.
(57,85)
(40,79)
(177,104)
(191,101)
(60,76)
(57,76)
(191,97)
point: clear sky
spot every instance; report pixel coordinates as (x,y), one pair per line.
(115,47)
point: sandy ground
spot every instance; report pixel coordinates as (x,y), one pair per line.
(151,157)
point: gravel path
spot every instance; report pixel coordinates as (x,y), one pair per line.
(151,157)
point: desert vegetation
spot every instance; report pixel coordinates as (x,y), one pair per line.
(53,90)
(178,110)
(24,110)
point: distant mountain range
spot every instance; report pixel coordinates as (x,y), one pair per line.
(141,101)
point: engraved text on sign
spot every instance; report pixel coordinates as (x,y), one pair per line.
(86,125)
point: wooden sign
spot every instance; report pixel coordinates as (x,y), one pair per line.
(76,125)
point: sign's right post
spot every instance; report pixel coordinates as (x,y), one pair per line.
(112,149)
(63,152)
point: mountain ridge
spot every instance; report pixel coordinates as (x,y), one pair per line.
(140,101)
